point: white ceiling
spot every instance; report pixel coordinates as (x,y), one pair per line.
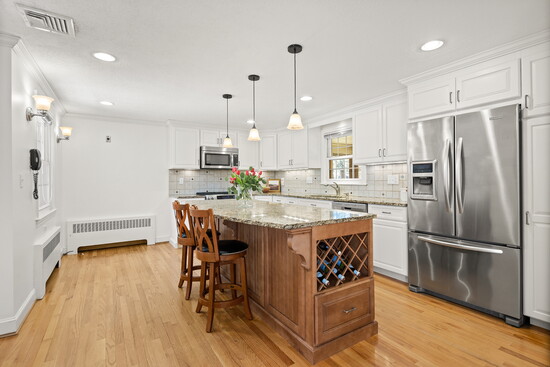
(177,57)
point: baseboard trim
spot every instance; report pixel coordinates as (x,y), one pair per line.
(11,325)
(163,239)
(539,323)
(391,274)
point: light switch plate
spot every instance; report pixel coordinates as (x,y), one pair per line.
(309,179)
(180,181)
(393,179)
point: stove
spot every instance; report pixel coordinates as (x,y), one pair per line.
(215,195)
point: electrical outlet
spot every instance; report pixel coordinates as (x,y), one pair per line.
(393,179)
(309,180)
(180,181)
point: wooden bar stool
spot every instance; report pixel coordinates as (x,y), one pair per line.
(186,239)
(213,253)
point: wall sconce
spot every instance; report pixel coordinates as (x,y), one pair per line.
(42,105)
(65,133)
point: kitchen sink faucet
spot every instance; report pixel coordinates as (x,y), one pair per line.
(336,188)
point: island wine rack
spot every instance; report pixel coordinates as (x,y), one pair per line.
(341,260)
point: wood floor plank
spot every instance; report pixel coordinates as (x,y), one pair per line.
(122,307)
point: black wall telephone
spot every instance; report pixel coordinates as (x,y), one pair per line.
(36,163)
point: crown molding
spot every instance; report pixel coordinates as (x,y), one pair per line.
(8,40)
(21,50)
(502,50)
(349,111)
(123,120)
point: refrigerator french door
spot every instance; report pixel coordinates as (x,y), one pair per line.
(464,210)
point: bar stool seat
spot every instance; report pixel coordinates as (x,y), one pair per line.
(213,253)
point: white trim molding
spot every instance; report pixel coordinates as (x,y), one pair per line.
(11,325)
(7,40)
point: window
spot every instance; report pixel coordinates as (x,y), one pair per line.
(44,140)
(338,165)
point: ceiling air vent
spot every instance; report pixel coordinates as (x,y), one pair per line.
(46,21)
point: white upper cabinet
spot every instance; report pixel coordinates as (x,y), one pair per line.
(214,138)
(488,82)
(432,97)
(248,151)
(268,152)
(535,79)
(292,149)
(380,133)
(367,136)
(184,148)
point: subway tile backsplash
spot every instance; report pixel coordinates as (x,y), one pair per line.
(295,182)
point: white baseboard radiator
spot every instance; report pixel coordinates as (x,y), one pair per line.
(110,230)
(47,255)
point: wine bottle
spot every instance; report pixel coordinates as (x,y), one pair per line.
(323,246)
(352,268)
(323,280)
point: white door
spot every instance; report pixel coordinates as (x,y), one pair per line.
(489,82)
(210,138)
(433,97)
(268,152)
(248,151)
(395,132)
(367,136)
(536,83)
(184,148)
(390,245)
(536,220)
(299,149)
(284,149)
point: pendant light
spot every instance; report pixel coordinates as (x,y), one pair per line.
(295,122)
(254,135)
(227,141)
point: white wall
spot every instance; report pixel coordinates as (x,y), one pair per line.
(127,177)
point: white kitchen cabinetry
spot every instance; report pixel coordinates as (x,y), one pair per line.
(267,198)
(380,134)
(248,151)
(316,203)
(184,148)
(390,240)
(268,152)
(288,200)
(292,149)
(489,82)
(536,217)
(214,138)
(535,78)
(278,199)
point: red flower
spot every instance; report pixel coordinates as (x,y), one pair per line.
(238,172)
(260,173)
(252,169)
(234,169)
(247,173)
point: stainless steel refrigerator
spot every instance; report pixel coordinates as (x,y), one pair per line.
(464,210)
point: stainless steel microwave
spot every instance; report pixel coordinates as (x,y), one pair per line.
(219,158)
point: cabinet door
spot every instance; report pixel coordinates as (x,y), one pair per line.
(536,83)
(395,132)
(390,245)
(299,149)
(210,138)
(184,148)
(489,82)
(433,97)
(536,227)
(367,136)
(284,149)
(268,152)
(248,151)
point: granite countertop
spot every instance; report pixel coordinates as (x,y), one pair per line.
(281,216)
(346,199)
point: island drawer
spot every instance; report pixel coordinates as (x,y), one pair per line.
(389,212)
(340,311)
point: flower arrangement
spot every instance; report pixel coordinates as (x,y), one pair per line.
(243,183)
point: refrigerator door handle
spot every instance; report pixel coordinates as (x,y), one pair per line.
(459,246)
(459,179)
(447,174)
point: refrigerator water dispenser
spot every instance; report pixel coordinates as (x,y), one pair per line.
(423,180)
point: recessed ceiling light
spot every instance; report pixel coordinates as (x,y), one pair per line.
(106,103)
(250,121)
(306,98)
(431,45)
(104,56)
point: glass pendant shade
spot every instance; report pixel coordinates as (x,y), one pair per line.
(42,103)
(254,134)
(66,131)
(227,143)
(295,122)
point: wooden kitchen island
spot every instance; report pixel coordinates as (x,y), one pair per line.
(288,246)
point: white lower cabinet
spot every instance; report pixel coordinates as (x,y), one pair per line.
(316,203)
(263,198)
(536,218)
(390,240)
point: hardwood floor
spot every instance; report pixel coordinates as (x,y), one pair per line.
(122,307)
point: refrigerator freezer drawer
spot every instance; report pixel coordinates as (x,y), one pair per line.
(482,275)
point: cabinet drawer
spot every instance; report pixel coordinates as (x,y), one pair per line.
(398,213)
(344,310)
(277,199)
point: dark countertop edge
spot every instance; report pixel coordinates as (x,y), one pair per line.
(290,227)
(352,199)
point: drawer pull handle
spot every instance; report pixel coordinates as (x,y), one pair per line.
(386,212)
(350,310)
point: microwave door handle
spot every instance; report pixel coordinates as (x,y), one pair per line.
(459,179)
(447,174)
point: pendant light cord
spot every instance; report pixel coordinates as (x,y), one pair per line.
(227,118)
(294,80)
(254,101)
